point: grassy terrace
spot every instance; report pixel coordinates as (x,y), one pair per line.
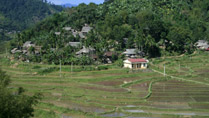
(115,92)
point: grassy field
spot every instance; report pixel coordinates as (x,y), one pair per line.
(116,92)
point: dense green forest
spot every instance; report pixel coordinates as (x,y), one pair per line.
(159,27)
(17,15)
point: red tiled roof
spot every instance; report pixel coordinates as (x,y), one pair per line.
(137,60)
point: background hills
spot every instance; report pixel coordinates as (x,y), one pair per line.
(157,27)
(68,5)
(16,15)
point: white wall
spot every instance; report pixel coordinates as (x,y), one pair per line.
(127,65)
(144,65)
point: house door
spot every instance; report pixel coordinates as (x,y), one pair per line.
(134,66)
(138,65)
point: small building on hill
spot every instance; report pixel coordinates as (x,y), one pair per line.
(74,44)
(108,56)
(57,33)
(74,33)
(136,63)
(133,53)
(86,29)
(67,28)
(202,44)
(81,35)
(86,51)
(15,50)
(28,44)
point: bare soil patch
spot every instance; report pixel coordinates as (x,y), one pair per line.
(104,89)
(130,79)
(78,107)
(110,83)
(144,85)
(200,105)
(185,69)
(171,105)
(202,71)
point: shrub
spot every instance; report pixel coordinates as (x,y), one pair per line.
(119,63)
(89,69)
(48,70)
(15,105)
(36,67)
(102,68)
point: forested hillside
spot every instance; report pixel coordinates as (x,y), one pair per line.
(19,14)
(16,15)
(158,27)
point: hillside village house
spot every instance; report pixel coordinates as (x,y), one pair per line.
(86,29)
(82,34)
(133,53)
(75,33)
(67,28)
(108,56)
(28,44)
(74,44)
(15,50)
(25,49)
(86,51)
(57,33)
(90,52)
(136,63)
(202,44)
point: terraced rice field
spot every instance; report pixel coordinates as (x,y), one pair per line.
(116,92)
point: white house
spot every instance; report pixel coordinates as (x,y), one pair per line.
(202,44)
(136,63)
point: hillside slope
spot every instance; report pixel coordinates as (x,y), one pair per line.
(68,5)
(16,15)
(157,27)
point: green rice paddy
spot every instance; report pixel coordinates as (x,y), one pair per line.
(86,92)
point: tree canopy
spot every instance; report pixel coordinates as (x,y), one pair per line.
(19,14)
(156,27)
(14,104)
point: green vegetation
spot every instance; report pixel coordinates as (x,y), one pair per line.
(47,70)
(20,14)
(14,104)
(114,91)
(159,27)
(17,15)
(81,90)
